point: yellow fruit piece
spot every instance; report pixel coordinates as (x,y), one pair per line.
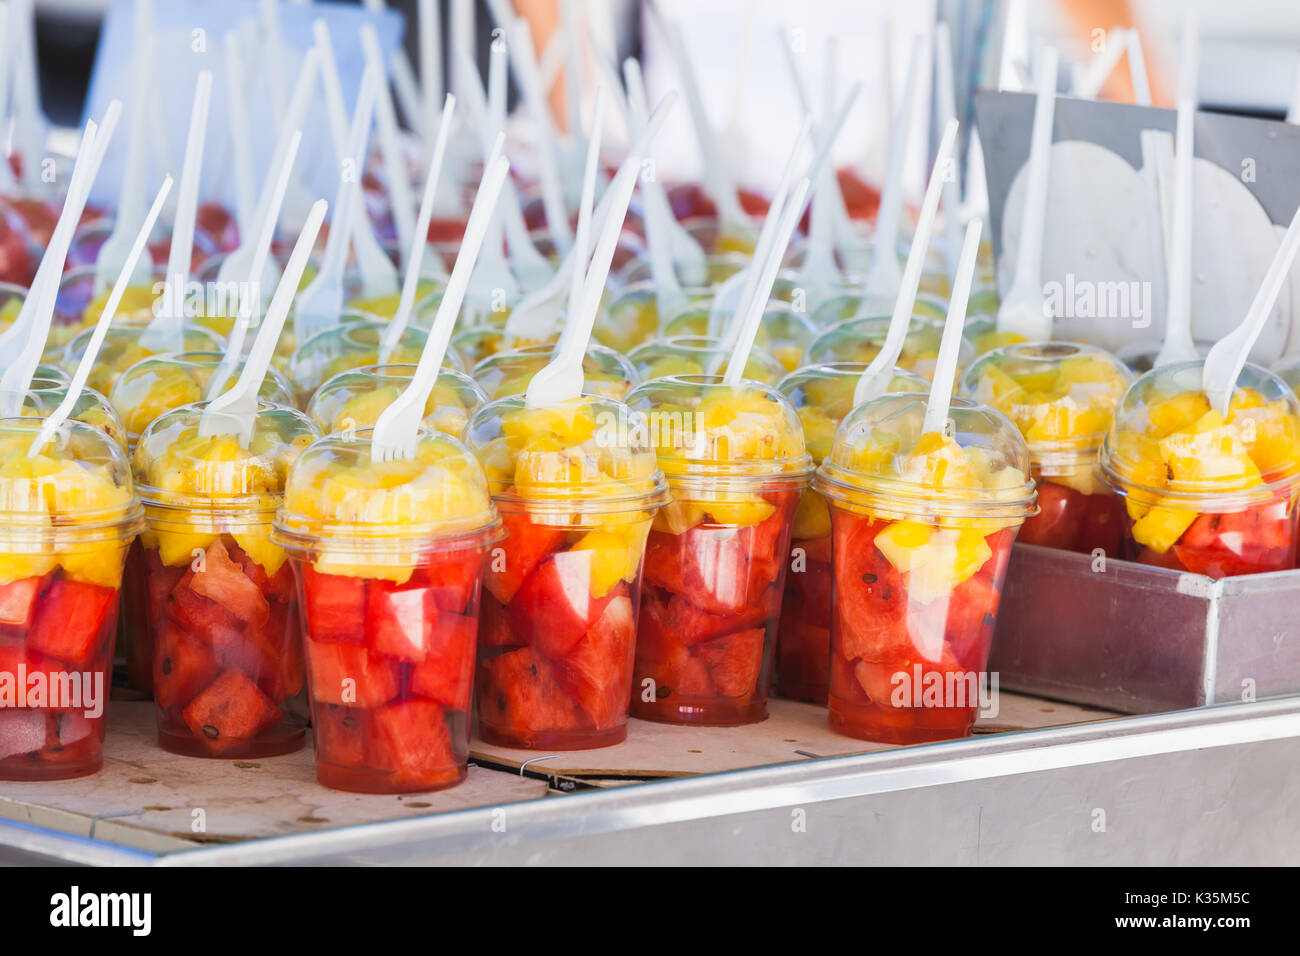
(741,513)
(257,545)
(136,307)
(934,560)
(812,517)
(171,388)
(177,547)
(16,566)
(1160,527)
(570,422)
(1177,413)
(100,565)
(901,543)
(1210,450)
(610,559)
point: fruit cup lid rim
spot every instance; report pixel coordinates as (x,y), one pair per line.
(879,492)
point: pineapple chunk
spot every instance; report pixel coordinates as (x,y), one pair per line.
(1161,526)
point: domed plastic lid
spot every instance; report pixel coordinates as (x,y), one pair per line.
(704,428)
(355,399)
(823,395)
(838,308)
(77,485)
(1061,395)
(428,294)
(45,395)
(700,355)
(338,500)
(782,332)
(719,267)
(162,382)
(1166,445)
(606,373)
(582,456)
(123,347)
(350,346)
(630,316)
(859,340)
(1289,372)
(176,466)
(883,462)
(474,345)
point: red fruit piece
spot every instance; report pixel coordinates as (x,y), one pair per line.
(350,674)
(598,671)
(341,735)
(18,599)
(182,667)
(1059,522)
(232,710)
(204,620)
(519,696)
(69,619)
(447,674)
(276,587)
(663,561)
(453,576)
(663,657)
(734,661)
(22,731)
(223,581)
(334,605)
(693,625)
(555,607)
(160,580)
(399,621)
(526,546)
(494,627)
(411,737)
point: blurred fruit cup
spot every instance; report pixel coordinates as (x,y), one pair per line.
(859,340)
(46,393)
(606,373)
(922,527)
(219,610)
(356,398)
(840,308)
(349,345)
(1207,493)
(1061,395)
(822,395)
(716,558)
(577,487)
(699,355)
(782,332)
(388,559)
(70,513)
(126,345)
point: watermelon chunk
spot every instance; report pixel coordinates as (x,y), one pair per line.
(693,624)
(526,546)
(555,606)
(18,600)
(350,674)
(598,671)
(733,661)
(400,621)
(70,731)
(663,564)
(715,568)
(275,587)
(341,734)
(663,656)
(232,710)
(287,674)
(494,627)
(447,673)
(411,736)
(203,619)
(223,581)
(182,667)
(334,605)
(453,577)
(519,697)
(160,579)
(69,620)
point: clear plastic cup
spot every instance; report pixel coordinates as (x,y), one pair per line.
(822,395)
(44,395)
(606,373)
(475,345)
(835,310)
(1289,372)
(1207,493)
(69,515)
(348,346)
(388,559)
(355,399)
(859,340)
(782,332)
(577,488)
(1061,395)
(77,306)
(124,346)
(982,332)
(716,559)
(922,527)
(428,294)
(221,616)
(697,355)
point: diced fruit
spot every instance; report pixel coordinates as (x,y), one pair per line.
(494,627)
(526,546)
(224,582)
(733,661)
(447,673)
(452,577)
(597,672)
(334,605)
(399,621)
(205,620)
(182,667)
(232,710)
(350,674)
(664,658)
(555,606)
(342,735)
(17,601)
(69,620)
(411,736)
(519,697)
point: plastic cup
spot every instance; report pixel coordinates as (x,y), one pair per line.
(356,398)
(718,268)
(475,345)
(859,340)
(822,395)
(695,355)
(44,395)
(606,373)
(69,515)
(221,614)
(388,560)
(577,488)
(835,310)
(782,332)
(715,562)
(77,307)
(427,296)
(348,346)
(922,527)
(1061,395)
(123,347)
(1206,493)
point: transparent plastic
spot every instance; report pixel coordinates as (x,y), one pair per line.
(124,346)
(46,394)
(606,373)
(838,308)
(699,355)
(783,332)
(355,399)
(860,340)
(348,346)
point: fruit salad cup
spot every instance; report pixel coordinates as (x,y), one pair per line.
(822,395)
(355,399)
(220,611)
(606,373)
(428,295)
(922,526)
(716,559)
(78,306)
(476,344)
(835,310)
(859,340)
(124,346)
(577,487)
(699,355)
(782,332)
(388,559)
(70,513)
(44,395)
(348,346)
(1208,493)
(1061,396)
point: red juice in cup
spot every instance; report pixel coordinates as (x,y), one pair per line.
(388,558)
(922,530)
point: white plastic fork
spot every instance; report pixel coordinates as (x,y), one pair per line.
(400,194)
(945,369)
(492,275)
(237,117)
